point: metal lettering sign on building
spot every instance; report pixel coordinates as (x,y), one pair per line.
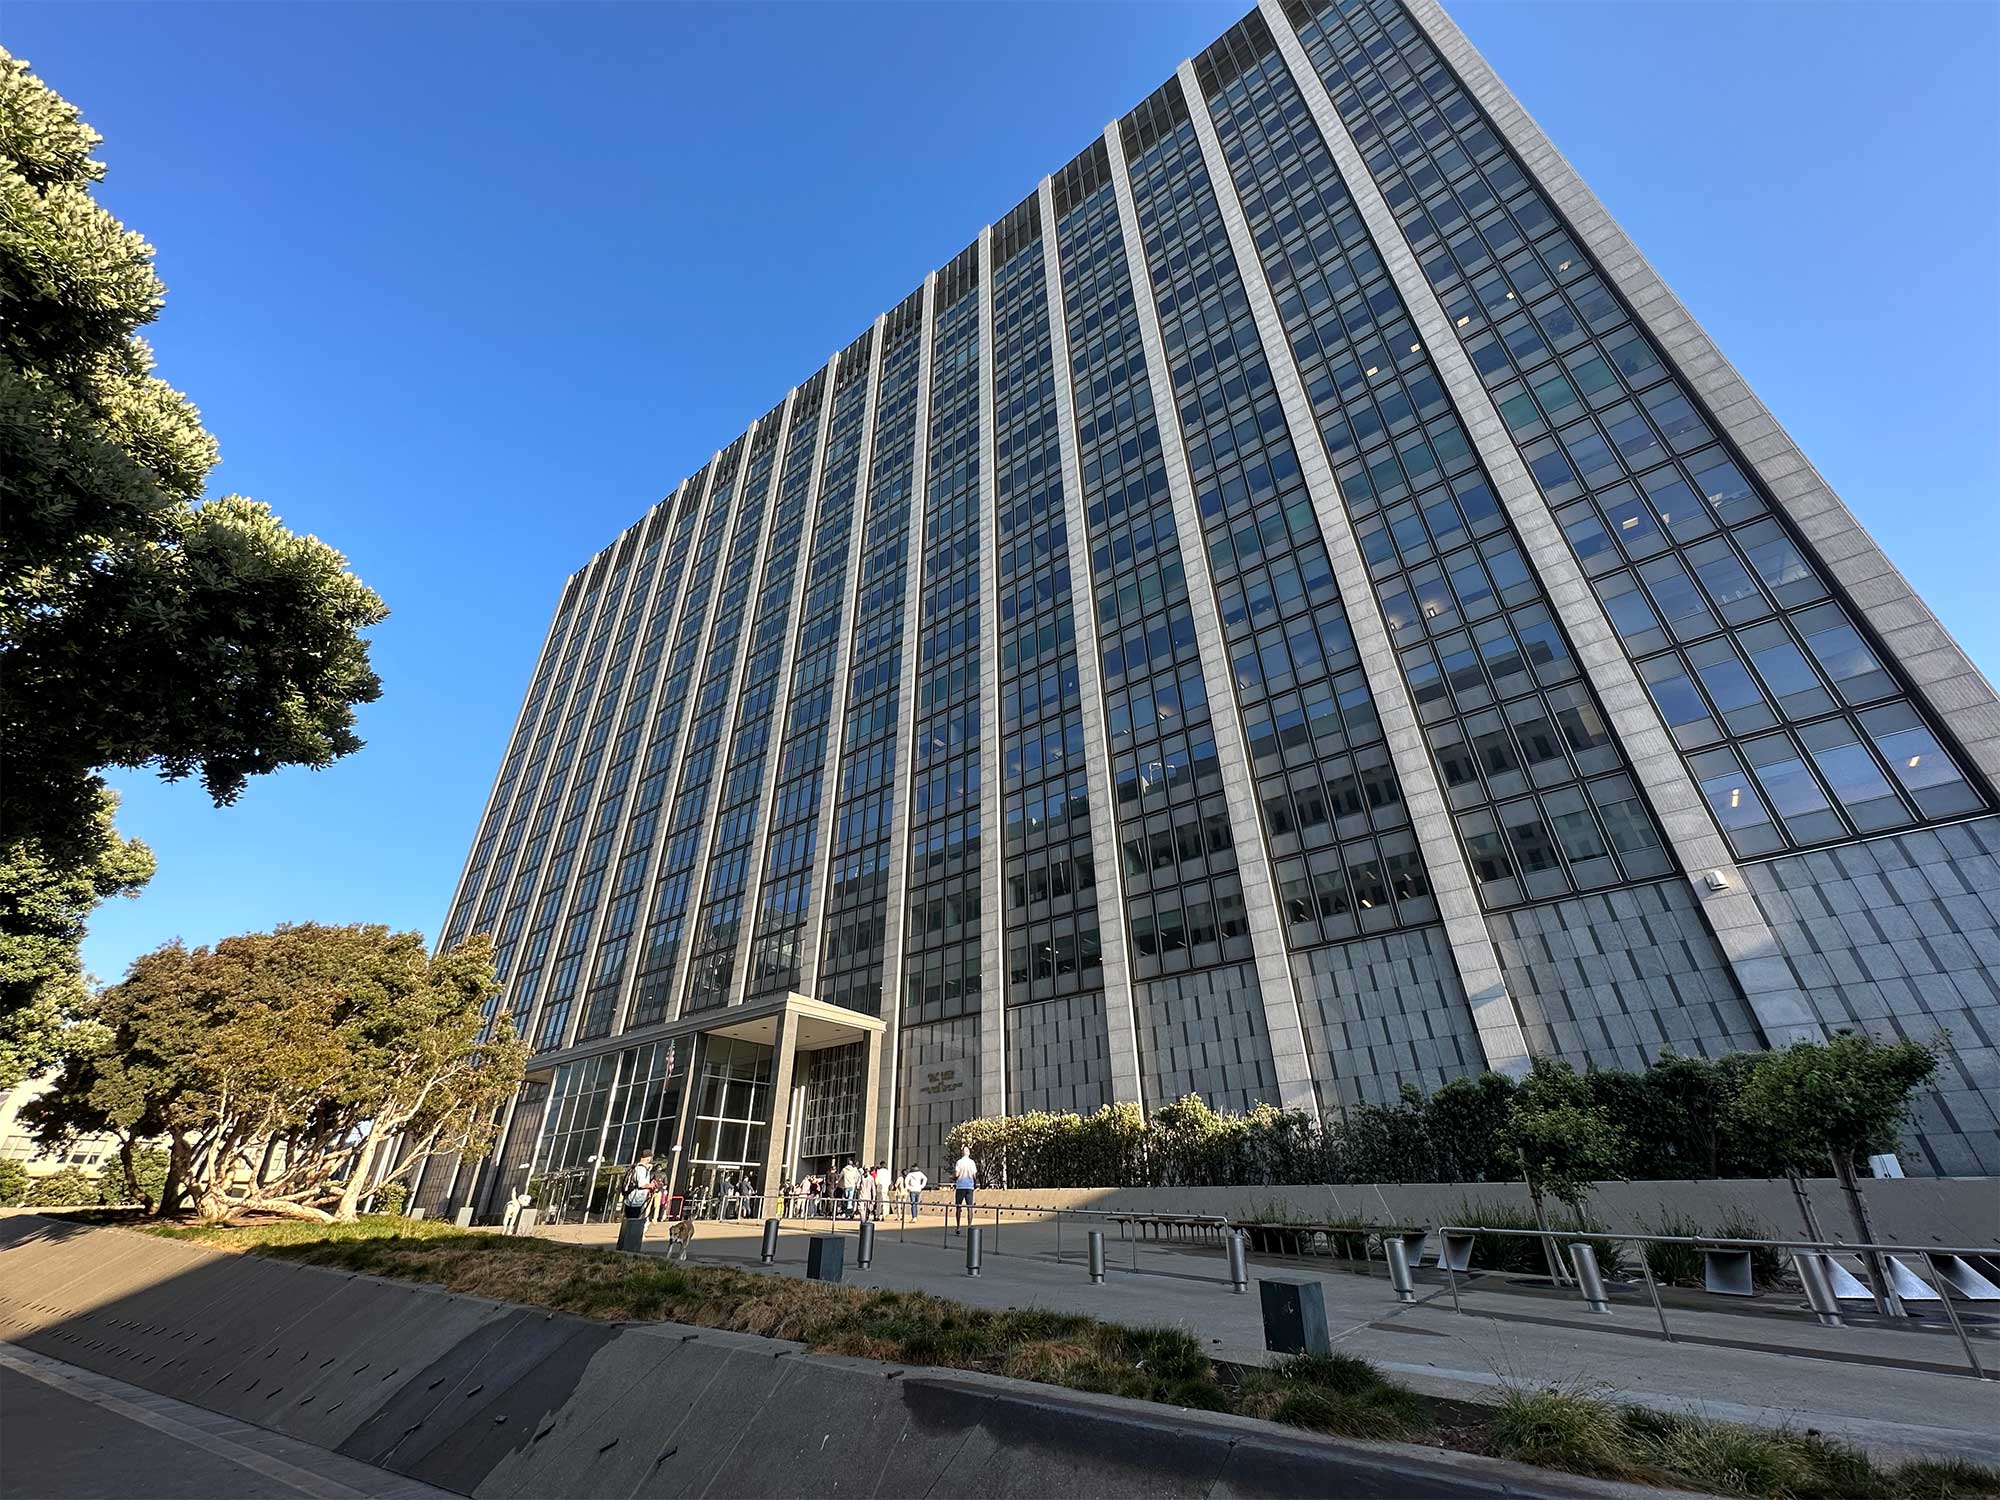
(942,1084)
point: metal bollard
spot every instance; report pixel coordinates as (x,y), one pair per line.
(770,1252)
(867,1250)
(1584,1258)
(1097,1256)
(972,1234)
(1399,1268)
(1239,1272)
(1819,1289)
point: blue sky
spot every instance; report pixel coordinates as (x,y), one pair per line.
(463,289)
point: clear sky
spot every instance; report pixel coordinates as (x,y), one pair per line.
(465,288)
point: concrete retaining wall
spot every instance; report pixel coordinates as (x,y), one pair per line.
(490,1400)
(1906,1210)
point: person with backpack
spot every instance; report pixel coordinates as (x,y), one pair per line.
(638,1187)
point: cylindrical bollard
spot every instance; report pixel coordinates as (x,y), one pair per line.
(1097,1255)
(972,1233)
(1819,1288)
(770,1252)
(867,1249)
(1239,1271)
(1584,1258)
(1399,1267)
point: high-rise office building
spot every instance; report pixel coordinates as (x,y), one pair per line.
(1295,608)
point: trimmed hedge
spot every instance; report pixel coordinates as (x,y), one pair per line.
(1677,1119)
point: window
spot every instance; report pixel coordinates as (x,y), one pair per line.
(1730,687)
(1734,802)
(1680,704)
(1857,781)
(1836,646)
(1779,563)
(1793,790)
(1918,761)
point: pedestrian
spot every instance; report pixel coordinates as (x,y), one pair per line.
(885,1189)
(867,1196)
(964,1178)
(639,1186)
(850,1185)
(914,1183)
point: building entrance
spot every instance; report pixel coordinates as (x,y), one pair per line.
(731,1129)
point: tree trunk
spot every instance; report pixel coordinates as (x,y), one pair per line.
(131,1177)
(1542,1223)
(1886,1300)
(357,1182)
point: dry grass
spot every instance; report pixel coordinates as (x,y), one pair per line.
(1585,1432)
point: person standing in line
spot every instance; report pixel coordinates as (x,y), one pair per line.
(867,1196)
(964,1178)
(885,1189)
(914,1183)
(639,1186)
(850,1184)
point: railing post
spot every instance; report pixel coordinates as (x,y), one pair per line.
(1944,1296)
(1819,1290)
(1658,1311)
(1584,1257)
(1398,1256)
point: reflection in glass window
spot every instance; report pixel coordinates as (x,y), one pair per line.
(1680,601)
(1785,670)
(1918,761)
(1679,702)
(1737,808)
(1793,790)
(1730,687)
(1850,770)
(1779,563)
(1838,648)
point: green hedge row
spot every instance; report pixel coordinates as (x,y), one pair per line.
(1680,1118)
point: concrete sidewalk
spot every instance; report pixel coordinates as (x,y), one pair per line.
(1893,1390)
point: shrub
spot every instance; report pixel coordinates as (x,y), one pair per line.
(1677,1265)
(1767,1266)
(13,1183)
(1576,1430)
(72,1187)
(1521,1254)
(391,1197)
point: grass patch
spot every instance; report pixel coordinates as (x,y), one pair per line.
(1333,1393)
(1586,1432)
(303,1232)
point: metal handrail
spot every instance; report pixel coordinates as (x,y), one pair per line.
(1621,1236)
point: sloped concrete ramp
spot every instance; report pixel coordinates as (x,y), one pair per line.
(490,1400)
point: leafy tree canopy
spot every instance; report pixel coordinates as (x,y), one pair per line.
(280,1066)
(44,902)
(139,626)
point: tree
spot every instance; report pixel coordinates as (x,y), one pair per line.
(138,625)
(1463,1120)
(279,1066)
(1560,1141)
(44,903)
(1837,1101)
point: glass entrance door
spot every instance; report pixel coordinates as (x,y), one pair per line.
(732,1123)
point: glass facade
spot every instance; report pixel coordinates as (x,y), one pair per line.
(749,758)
